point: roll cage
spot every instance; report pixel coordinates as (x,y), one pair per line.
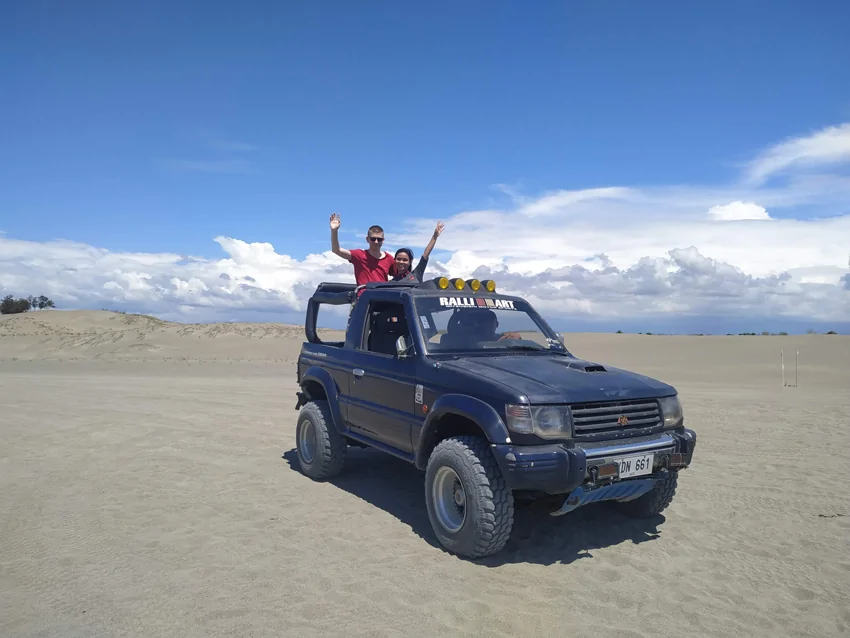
(406,293)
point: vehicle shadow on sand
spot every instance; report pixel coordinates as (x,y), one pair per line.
(398,488)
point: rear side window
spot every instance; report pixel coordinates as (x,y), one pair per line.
(385,323)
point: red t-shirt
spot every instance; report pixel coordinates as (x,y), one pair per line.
(368,268)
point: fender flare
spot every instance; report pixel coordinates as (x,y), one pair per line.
(323,377)
(477,411)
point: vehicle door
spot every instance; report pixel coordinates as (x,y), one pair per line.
(382,384)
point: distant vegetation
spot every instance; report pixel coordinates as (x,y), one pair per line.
(764,333)
(810,331)
(13,306)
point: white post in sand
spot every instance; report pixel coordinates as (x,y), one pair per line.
(796,368)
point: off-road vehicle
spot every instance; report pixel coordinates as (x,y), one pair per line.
(475,389)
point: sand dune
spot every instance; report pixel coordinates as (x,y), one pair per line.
(148,486)
(92,334)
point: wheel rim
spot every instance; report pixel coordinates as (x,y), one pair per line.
(449,499)
(307,441)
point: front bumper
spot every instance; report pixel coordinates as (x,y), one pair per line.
(558,469)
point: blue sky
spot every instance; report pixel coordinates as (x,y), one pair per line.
(159,126)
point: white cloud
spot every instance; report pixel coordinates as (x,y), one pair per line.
(562,200)
(626,236)
(624,252)
(230,164)
(220,143)
(209,166)
(738,211)
(830,145)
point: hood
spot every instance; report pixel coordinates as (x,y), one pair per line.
(559,379)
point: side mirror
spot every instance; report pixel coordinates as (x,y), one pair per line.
(560,337)
(401,347)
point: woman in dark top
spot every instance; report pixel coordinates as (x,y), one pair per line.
(401,269)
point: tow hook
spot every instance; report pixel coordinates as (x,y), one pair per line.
(302,400)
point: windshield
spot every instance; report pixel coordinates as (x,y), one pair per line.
(479,324)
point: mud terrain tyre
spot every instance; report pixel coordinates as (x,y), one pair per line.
(469,504)
(320,448)
(655,500)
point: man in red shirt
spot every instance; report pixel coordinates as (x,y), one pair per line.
(369,265)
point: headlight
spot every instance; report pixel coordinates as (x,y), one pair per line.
(546,421)
(671,411)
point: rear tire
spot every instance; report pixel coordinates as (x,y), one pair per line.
(469,504)
(655,500)
(320,448)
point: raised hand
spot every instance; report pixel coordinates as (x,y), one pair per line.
(427,252)
(342,252)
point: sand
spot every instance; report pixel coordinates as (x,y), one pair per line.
(148,487)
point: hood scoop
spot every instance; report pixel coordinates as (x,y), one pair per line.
(586,366)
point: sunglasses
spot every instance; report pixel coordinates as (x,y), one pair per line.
(376,240)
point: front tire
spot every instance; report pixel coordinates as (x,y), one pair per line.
(469,504)
(320,448)
(655,500)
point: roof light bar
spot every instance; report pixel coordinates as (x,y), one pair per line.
(458,283)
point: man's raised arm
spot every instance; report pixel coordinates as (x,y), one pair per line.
(342,252)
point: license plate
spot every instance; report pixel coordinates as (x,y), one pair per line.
(634,465)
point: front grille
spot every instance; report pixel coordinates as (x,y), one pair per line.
(597,419)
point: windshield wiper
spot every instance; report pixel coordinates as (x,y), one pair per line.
(523,347)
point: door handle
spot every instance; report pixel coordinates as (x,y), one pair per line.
(358,372)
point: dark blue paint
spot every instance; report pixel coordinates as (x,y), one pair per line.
(547,378)
(379,409)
